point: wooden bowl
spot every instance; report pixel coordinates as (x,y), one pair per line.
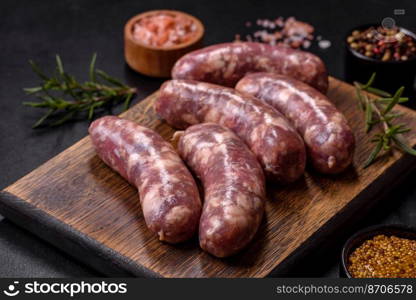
(157,61)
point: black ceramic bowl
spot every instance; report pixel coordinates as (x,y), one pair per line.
(390,74)
(361,236)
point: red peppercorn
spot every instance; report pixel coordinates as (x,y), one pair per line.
(383,44)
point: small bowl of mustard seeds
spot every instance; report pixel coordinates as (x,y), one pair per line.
(388,51)
(384,251)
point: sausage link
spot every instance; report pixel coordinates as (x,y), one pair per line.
(267,133)
(168,194)
(328,138)
(226,63)
(233,183)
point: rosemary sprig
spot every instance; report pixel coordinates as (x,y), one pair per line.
(379,111)
(64,97)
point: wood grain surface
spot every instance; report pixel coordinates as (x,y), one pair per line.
(77,189)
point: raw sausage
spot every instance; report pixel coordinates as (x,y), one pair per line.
(276,144)
(168,194)
(328,138)
(225,64)
(233,183)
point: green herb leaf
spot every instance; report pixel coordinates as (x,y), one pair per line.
(65,118)
(59,65)
(368,116)
(36,104)
(92,108)
(379,111)
(389,99)
(361,103)
(37,70)
(33,90)
(399,141)
(92,67)
(378,92)
(110,79)
(127,101)
(45,116)
(394,101)
(374,154)
(76,97)
(403,130)
(370,81)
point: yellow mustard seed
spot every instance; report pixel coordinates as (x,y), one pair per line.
(384,257)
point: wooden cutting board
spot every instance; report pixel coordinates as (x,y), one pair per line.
(78,204)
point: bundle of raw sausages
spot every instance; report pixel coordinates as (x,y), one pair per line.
(267,111)
(263,124)
(231,175)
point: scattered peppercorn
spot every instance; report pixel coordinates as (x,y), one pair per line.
(288,32)
(384,257)
(383,43)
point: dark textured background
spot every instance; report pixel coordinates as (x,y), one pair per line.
(75,29)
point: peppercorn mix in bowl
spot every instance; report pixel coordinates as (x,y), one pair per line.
(383,44)
(391,53)
(385,251)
